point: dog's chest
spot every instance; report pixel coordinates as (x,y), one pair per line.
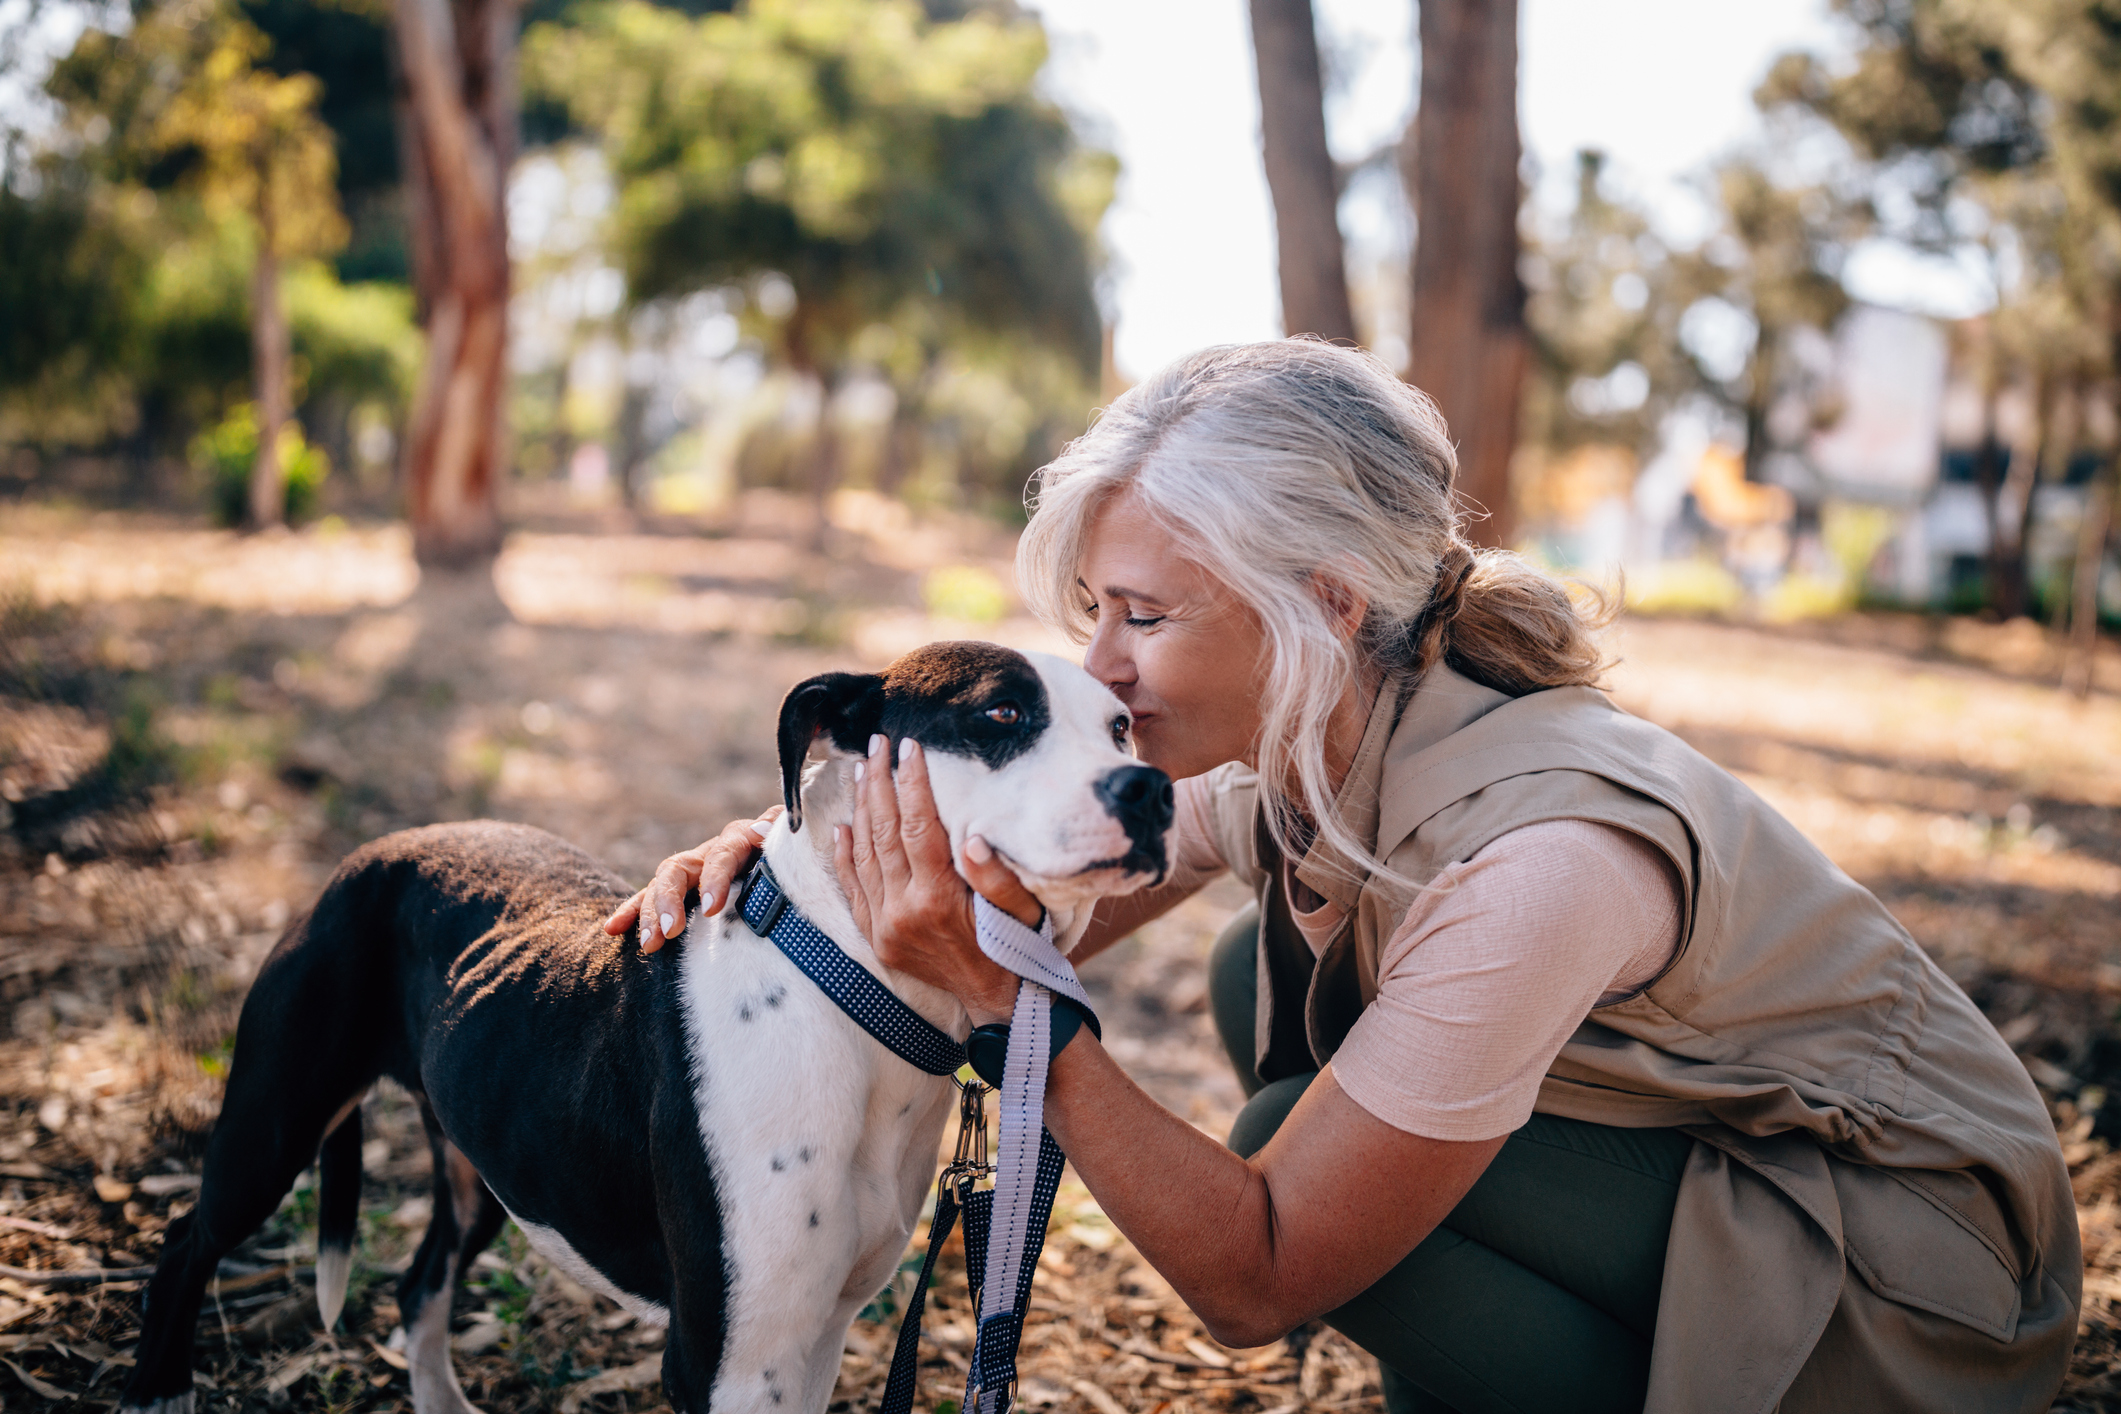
(822,1146)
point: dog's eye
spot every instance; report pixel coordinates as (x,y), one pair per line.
(1003,715)
(1119,732)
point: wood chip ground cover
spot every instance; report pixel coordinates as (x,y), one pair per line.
(194,728)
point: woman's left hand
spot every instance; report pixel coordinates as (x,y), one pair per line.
(910,898)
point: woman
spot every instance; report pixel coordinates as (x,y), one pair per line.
(1578,1078)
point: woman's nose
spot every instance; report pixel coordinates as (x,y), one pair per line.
(1103,660)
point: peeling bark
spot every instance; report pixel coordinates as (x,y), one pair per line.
(456,59)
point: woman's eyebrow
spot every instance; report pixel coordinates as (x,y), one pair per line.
(1121,591)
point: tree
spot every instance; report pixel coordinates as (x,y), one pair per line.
(458,131)
(1300,172)
(1606,360)
(186,85)
(1965,112)
(1468,345)
(892,172)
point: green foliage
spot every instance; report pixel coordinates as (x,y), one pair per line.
(874,159)
(1602,296)
(224,453)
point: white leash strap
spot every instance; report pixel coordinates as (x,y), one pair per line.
(1024,1154)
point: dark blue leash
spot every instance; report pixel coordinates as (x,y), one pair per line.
(765,909)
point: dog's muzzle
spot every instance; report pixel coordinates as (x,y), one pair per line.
(1140,798)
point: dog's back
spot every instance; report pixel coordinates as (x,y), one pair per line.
(468,963)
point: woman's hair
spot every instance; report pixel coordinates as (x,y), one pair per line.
(1278,465)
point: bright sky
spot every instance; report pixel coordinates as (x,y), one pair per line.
(1663,85)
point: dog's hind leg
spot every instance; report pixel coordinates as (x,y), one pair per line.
(466,1217)
(294,1079)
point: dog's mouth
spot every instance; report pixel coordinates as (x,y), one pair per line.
(1138,860)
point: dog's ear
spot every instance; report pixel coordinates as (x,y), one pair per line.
(848,707)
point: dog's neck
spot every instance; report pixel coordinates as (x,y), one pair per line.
(802,860)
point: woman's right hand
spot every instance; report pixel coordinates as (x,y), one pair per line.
(711,869)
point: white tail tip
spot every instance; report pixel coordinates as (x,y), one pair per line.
(334,1266)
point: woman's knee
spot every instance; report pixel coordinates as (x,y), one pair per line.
(1265,1111)
(1233,991)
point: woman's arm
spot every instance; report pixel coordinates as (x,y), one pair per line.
(1255,1246)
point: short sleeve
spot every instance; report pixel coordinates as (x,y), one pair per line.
(1494,967)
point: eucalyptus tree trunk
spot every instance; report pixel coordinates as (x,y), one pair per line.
(270,354)
(1468,347)
(1300,173)
(458,134)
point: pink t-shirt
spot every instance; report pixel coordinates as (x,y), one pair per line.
(1492,969)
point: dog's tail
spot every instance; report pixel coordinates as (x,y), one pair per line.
(338,1212)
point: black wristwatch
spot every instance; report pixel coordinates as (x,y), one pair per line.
(987,1048)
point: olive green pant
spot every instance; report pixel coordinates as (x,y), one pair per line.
(1539,1291)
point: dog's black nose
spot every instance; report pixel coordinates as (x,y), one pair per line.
(1140,798)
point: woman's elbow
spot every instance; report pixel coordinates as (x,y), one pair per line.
(1241,1325)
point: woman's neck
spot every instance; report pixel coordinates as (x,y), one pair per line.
(1344,732)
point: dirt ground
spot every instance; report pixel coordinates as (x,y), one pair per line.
(194,727)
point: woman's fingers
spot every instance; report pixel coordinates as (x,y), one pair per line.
(997,883)
(921,832)
(879,794)
(861,848)
(711,868)
(850,877)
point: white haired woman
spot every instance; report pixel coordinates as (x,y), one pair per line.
(1579,1079)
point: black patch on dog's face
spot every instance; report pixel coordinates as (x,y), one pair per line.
(966,699)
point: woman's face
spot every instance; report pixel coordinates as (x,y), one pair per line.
(1174,644)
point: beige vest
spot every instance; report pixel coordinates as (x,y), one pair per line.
(1855,1113)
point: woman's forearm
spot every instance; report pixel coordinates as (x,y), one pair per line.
(1256,1246)
(1196,1211)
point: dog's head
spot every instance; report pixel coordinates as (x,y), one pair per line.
(1025,750)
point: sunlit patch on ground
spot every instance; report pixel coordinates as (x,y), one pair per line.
(195,726)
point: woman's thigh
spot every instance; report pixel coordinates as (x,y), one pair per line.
(1539,1291)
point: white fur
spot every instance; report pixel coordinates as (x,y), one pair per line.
(175,1404)
(799,1078)
(1041,811)
(556,1250)
(426,1345)
(334,1267)
(822,1142)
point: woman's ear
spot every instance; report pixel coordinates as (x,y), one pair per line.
(1345,606)
(848,707)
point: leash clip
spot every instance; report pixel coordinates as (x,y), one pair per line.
(970,1162)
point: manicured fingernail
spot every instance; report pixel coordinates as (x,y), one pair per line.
(647,932)
(877,743)
(905,750)
(859,768)
(709,903)
(977,850)
(666,920)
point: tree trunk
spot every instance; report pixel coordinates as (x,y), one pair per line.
(1292,125)
(458,112)
(270,354)
(1468,344)
(2082,663)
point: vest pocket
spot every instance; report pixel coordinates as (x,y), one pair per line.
(1930,1240)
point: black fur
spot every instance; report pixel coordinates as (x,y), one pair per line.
(468,963)
(964,699)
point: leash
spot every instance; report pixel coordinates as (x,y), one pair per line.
(1005,1226)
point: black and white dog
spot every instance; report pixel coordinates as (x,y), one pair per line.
(699,1134)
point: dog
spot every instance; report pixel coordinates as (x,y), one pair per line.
(699,1134)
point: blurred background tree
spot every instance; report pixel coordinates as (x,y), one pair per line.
(888,190)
